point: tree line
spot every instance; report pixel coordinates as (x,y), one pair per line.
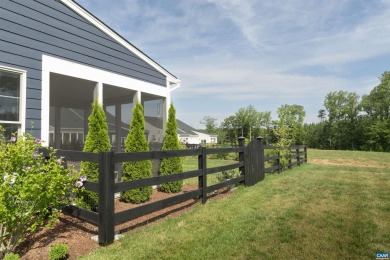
(346,122)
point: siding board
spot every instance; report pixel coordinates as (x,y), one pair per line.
(34,113)
(14,58)
(32,123)
(33,103)
(34,93)
(36,48)
(113,56)
(31,28)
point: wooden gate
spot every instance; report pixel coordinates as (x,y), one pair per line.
(254,162)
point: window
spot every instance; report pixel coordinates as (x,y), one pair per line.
(12,84)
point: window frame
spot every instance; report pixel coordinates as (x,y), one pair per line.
(22,99)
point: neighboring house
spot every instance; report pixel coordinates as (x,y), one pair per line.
(56,58)
(193,137)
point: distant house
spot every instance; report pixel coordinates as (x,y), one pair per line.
(193,137)
(56,58)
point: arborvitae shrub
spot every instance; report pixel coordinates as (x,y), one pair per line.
(136,142)
(97,140)
(171,165)
(58,252)
(11,256)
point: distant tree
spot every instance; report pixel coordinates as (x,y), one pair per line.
(292,116)
(264,123)
(282,132)
(171,165)
(343,109)
(377,103)
(321,114)
(210,123)
(377,108)
(97,140)
(230,126)
(136,142)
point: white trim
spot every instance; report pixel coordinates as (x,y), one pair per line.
(98,93)
(22,97)
(69,68)
(92,19)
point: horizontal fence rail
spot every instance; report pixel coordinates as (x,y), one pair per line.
(253,162)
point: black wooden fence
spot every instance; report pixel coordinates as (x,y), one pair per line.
(251,165)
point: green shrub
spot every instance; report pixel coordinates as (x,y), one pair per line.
(11,256)
(228,175)
(136,142)
(32,187)
(58,252)
(174,164)
(97,140)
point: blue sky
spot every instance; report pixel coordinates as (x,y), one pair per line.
(234,53)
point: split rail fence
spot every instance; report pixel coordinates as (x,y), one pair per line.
(251,164)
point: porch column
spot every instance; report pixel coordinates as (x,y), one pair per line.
(98,93)
(137,98)
(118,124)
(166,105)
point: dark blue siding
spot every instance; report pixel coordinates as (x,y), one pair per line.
(30,28)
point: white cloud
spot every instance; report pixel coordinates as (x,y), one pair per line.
(229,54)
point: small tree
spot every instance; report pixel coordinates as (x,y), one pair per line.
(136,142)
(97,140)
(32,188)
(171,165)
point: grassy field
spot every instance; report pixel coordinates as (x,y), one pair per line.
(326,209)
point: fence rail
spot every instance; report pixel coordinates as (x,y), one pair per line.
(251,164)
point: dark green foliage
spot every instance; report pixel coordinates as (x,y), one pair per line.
(136,142)
(174,164)
(97,140)
(58,252)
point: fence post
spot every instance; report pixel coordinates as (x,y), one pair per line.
(202,179)
(305,151)
(106,233)
(298,156)
(241,155)
(261,159)
(278,161)
(289,159)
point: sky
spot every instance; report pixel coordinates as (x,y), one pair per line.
(230,54)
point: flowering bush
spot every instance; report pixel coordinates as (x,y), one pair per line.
(32,187)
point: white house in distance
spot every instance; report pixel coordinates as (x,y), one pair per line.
(193,137)
(56,58)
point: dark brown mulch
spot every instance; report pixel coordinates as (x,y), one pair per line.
(77,234)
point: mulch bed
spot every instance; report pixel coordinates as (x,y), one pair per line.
(77,234)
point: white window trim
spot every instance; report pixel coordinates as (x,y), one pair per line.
(52,64)
(22,98)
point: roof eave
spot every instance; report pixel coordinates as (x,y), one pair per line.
(110,32)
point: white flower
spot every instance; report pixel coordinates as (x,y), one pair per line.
(79,184)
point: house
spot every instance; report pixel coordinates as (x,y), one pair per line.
(56,58)
(193,137)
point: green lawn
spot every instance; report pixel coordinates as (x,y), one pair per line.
(191,163)
(325,209)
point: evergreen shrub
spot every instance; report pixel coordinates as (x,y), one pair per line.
(174,164)
(136,142)
(58,252)
(97,140)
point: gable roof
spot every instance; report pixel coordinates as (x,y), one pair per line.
(183,128)
(110,32)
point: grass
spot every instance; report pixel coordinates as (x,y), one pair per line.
(317,211)
(191,163)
